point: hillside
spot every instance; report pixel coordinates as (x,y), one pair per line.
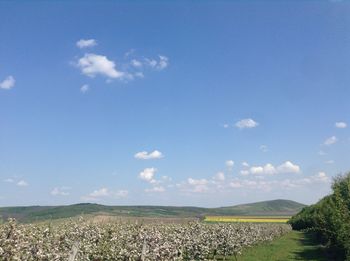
(38,213)
(271,207)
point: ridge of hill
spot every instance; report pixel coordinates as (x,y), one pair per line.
(279,207)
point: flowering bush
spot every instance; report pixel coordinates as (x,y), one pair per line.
(84,240)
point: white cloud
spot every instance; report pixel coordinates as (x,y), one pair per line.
(269,169)
(22,183)
(121,193)
(329,162)
(321,177)
(161,64)
(341,125)
(322,153)
(244,172)
(195,185)
(226,125)
(93,64)
(8,83)
(330,141)
(102,192)
(9,180)
(151,62)
(220,176)
(144,155)
(82,43)
(195,182)
(105,192)
(235,184)
(156,189)
(246,124)
(257,170)
(60,191)
(139,74)
(84,88)
(136,63)
(288,167)
(229,164)
(245,164)
(148,175)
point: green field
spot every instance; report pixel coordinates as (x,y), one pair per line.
(247,219)
(293,246)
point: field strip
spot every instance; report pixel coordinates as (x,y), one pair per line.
(248,219)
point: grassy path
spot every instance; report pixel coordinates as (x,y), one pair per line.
(293,246)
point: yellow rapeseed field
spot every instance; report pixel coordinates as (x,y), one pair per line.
(246,219)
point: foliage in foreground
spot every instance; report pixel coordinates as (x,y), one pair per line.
(330,218)
(124,241)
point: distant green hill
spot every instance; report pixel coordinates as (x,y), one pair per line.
(38,213)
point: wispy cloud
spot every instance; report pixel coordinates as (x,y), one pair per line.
(84,88)
(136,63)
(22,183)
(60,191)
(9,180)
(104,192)
(264,148)
(330,141)
(161,63)
(85,43)
(155,189)
(144,155)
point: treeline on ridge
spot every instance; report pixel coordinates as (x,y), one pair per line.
(330,219)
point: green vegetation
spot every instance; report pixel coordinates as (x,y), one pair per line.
(330,219)
(274,207)
(292,246)
(40,213)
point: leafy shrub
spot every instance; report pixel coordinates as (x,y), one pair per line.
(330,218)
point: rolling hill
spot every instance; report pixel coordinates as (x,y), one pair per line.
(39,213)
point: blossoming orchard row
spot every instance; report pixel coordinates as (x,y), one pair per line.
(83,240)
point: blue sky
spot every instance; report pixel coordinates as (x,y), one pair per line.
(186,103)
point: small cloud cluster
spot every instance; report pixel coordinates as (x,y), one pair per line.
(93,64)
(269,169)
(159,64)
(60,191)
(268,185)
(246,124)
(144,155)
(19,183)
(85,43)
(155,189)
(8,83)
(148,175)
(104,192)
